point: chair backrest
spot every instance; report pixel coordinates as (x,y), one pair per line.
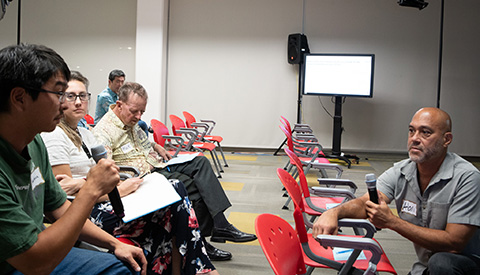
(289,137)
(89,119)
(177,123)
(189,119)
(285,122)
(294,192)
(159,129)
(280,245)
(301,175)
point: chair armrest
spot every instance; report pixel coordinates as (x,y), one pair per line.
(201,125)
(354,243)
(341,182)
(190,134)
(133,172)
(332,192)
(211,127)
(330,166)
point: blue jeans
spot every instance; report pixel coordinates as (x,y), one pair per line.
(82,261)
(450,263)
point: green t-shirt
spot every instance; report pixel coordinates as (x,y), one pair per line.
(27,189)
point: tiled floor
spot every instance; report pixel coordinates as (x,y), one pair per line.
(253,187)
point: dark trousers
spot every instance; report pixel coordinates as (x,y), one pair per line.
(449,263)
(204,190)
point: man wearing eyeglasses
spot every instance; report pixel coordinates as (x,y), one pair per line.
(33,80)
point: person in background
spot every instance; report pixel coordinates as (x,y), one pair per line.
(127,144)
(33,79)
(437,196)
(161,234)
(109,96)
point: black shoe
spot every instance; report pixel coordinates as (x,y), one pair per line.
(231,233)
(216,254)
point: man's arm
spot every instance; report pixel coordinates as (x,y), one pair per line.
(327,223)
(453,239)
(54,243)
(161,151)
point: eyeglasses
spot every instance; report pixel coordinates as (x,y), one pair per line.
(61,95)
(72,97)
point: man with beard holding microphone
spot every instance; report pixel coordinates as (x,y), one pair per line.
(437,196)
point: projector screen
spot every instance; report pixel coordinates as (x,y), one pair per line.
(339,74)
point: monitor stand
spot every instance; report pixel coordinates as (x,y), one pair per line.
(337,135)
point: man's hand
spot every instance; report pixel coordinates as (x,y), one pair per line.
(326,224)
(102,178)
(129,186)
(69,185)
(162,152)
(132,255)
(379,214)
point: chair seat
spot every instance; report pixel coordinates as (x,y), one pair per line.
(213,138)
(383,265)
(322,202)
(204,146)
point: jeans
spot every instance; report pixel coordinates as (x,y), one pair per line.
(82,261)
(450,263)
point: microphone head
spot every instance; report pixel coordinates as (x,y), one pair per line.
(371,180)
(98,152)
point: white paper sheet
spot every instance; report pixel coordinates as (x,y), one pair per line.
(154,193)
(182,158)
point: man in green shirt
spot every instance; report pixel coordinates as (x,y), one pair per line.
(33,80)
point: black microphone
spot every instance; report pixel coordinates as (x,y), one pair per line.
(99,152)
(371,182)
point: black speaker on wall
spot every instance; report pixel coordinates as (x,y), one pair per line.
(297,47)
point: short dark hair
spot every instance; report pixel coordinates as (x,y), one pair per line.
(27,66)
(76,75)
(131,87)
(115,73)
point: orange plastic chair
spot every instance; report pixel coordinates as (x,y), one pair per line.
(280,245)
(373,258)
(207,125)
(192,143)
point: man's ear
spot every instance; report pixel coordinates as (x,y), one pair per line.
(18,98)
(447,138)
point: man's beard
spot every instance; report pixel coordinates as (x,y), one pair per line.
(426,154)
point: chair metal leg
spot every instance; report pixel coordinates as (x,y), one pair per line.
(223,155)
(215,164)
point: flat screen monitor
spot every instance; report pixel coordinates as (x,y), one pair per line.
(339,74)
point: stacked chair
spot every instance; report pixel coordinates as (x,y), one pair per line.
(366,257)
(193,143)
(206,135)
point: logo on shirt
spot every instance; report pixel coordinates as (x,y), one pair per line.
(409,208)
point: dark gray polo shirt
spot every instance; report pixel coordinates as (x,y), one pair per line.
(452,196)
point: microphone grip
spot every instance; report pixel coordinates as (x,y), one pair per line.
(372,192)
(116,201)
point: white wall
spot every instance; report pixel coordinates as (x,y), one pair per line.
(227,61)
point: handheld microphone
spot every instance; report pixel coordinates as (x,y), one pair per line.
(99,152)
(371,182)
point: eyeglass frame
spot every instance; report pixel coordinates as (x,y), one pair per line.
(61,95)
(89,96)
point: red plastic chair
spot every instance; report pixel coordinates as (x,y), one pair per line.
(89,119)
(280,245)
(172,143)
(326,197)
(207,126)
(192,143)
(375,258)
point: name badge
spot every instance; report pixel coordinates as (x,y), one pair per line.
(127,148)
(409,208)
(36,178)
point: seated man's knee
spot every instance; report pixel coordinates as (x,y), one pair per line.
(450,263)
